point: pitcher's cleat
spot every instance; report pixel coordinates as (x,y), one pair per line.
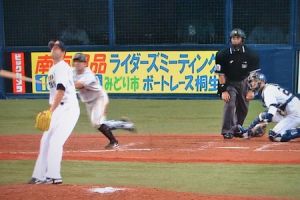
(52,181)
(35,181)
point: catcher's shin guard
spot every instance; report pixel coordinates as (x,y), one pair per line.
(290,134)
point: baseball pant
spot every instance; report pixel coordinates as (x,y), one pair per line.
(290,121)
(96,110)
(236,110)
(63,121)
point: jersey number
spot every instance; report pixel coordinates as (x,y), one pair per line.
(284,91)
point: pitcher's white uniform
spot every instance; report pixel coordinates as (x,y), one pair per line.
(63,121)
(284,107)
(93,95)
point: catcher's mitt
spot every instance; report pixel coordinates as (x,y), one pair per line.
(42,120)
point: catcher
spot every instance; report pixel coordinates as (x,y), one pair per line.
(282,106)
(96,101)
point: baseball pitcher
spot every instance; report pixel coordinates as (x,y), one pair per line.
(57,122)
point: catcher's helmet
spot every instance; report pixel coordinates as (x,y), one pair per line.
(238,32)
(255,80)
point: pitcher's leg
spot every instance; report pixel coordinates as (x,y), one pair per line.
(40,167)
(57,141)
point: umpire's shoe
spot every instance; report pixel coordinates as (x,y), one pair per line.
(54,181)
(227,136)
(35,181)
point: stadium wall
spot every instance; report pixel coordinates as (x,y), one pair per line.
(279,60)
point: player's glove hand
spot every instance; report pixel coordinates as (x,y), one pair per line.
(42,121)
(259,130)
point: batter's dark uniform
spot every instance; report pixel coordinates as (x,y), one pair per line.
(236,65)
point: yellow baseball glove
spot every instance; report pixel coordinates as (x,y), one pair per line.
(42,120)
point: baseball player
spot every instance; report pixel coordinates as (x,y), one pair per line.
(233,65)
(282,106)
(96,100)
(65,112)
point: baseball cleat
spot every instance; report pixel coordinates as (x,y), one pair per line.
(52,181)
(227,136)
(244,133)
(112,145)
(128,125)
(35,181)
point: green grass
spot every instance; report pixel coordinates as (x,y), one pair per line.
(235,179)
(162,117)
(150,116)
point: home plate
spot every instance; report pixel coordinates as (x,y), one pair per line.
(233,147)
(106,190)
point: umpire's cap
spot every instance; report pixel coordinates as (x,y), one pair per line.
(238,32)
(80,57)
(57,43)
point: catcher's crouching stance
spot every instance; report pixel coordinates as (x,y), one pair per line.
(283,108)
(96,101)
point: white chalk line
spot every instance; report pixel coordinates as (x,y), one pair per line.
(201,148)
(280,150)
(80,151)
(207,146)
(234,147)
(266,147)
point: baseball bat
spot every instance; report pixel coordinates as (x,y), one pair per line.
(11,75)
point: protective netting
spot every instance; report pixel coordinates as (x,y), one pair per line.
(169,21)
(34,23)
(139,22)
(265,22)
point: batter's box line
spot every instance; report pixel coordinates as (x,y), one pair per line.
(201,148)
(266,147)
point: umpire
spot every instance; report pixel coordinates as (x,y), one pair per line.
(234,64)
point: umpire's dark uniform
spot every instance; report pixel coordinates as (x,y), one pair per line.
(235,64)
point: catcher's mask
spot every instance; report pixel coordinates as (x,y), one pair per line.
(255,81)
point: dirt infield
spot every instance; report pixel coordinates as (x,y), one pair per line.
(144,148)
(157,148)
(40,192)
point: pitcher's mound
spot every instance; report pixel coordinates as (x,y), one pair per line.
(77,192)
